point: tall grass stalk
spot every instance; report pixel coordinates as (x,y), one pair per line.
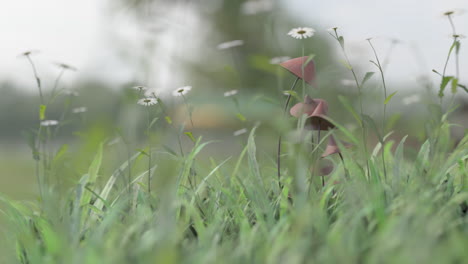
(278,153)
(340,41)
(379,66)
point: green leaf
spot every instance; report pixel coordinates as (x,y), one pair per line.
(463,87)
(169,150)
(376,65)
(350,109)
(142,152)
(111,182)
(454,85)
(60,153)
(389,97)
(392,121)
(190,135)
(30,137)
(457,47)
(367,77)
(92,175)
(346,64)
(50,239)
(373,126)
(292,94)
(398,163)
(454,45)
(42,110)
(309,58)
(345,131)
(443,85)
(168,120)
(241,117)
(341,41)
(153,122)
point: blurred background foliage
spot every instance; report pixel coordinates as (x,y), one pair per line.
(176,45)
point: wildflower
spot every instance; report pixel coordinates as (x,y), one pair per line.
(240,132)
(255,7)
(411,99)
(459,36)
(278,60)
(455,12)
(182,91)
(140,88)
(65,66)
(316,110)
(230,44)
(148,101)
(449,13)
(301,32)
(230,93)
(332,29)
(333,148)
(79,110)
(296,66)
(28,53)
(47,123)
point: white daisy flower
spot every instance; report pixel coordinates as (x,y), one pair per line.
(280,59)
(49,123)
(181,91)
(140,88)
(240,132)
(148,101)
(332,29)
(79,110)
(230,93)
(411,99)
(301,32)
(230,44)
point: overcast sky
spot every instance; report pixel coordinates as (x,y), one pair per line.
(76,32)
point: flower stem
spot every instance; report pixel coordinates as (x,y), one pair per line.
(188,110)
(359,88)
(379,66)
(36,76)
(37,154)
(149,151)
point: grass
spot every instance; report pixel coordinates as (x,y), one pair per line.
(391,203)
(235,214)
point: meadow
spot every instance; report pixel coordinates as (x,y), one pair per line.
(300,175)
